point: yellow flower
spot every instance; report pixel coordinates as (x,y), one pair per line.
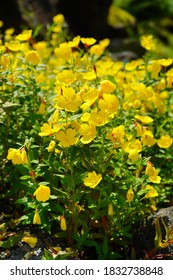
(32,57)
(92,180)
(89,94)
(68,100)
(14,46)
(63,224)
(152,173)
(132,65)
(46,130)
(165,141)
(99,118)
(130,195)
(66,77)
(139,129)
(2,49)
(75,42)
(67,138)
(133,148)
(1,23)
(151,192)
(42,193)
(63,51)
(144,119)
(88,132)
(117,135)
(24,36)
(148,139)
(109,103)
(107,86)
(97,50)
(51,146)
(30,240)
(88,41)
(165,61)
(18,156)
(147,42)
(58,19)
(36,219)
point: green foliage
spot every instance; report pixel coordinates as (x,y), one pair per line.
(86,142)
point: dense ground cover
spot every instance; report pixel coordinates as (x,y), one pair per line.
(86,141)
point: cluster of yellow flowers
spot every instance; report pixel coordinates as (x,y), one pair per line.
(88,91)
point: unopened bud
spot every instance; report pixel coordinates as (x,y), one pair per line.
(63,225)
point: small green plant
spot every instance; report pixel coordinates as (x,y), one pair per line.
(87,147)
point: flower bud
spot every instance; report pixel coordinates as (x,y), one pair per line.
(110,209)
(63,225)
(130,195)
(36,219)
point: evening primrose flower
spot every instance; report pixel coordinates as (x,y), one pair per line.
(144,119)
(165,141)
(67,138)
(139,129)
(152,173)
(18,156)
(151,192)
(46,130)
(42,193)
(36,219)
(116,135)
(107,86)
(66,77)
(148,138)
(92,180)
(32,57)
(24,36)
(133,148)
(14,46)
(88,41)
(147,42)
(63,52)
(109,103)
(58,19)
(99,118)
(69,100)
(88,132)
(97,50)
(51,146)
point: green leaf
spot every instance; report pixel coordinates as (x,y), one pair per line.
(25,177)
(47,255)
(11,241)
(105,247)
